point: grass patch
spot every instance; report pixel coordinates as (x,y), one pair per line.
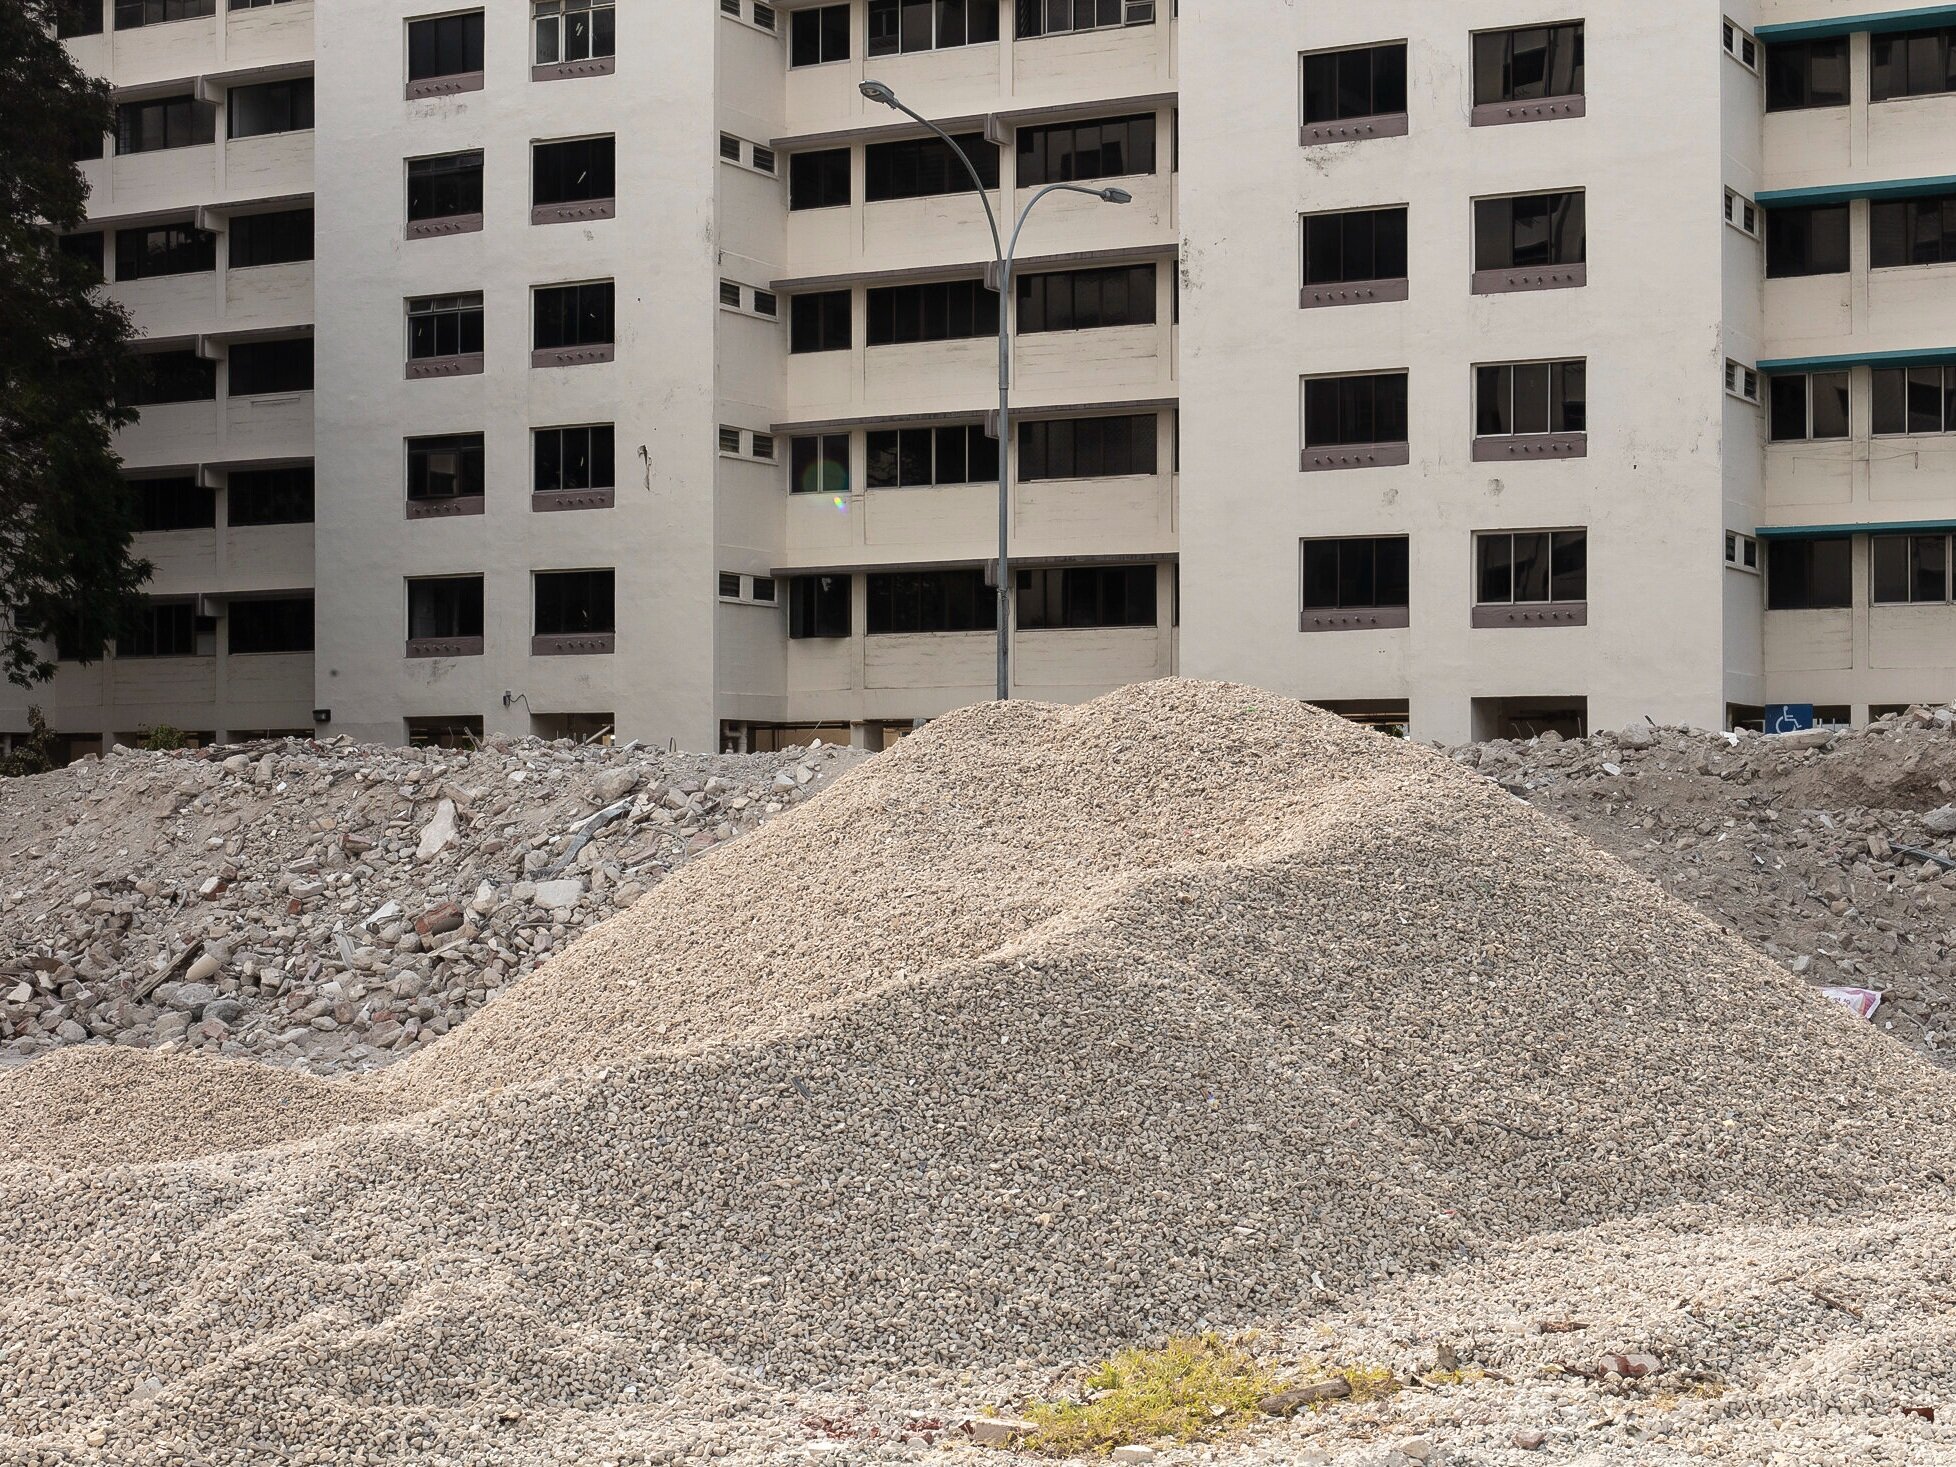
(1191,1388)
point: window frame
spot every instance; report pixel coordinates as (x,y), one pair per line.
(1777,578)
(1909,233)
(907,168)
(819,454)
(600,50)
(1051,152)
(812,612)
(1045,446)
(469,611)
(1045,598)
(1807,50)
(587,326)
(817,317)
(453,78)
(1880,90)
(281,490)
(300,644)
(281,356)
(929,456)
(1315,291)
(820,34)
(281,236)
(198,245)
(1509,106)
(461,305)
(1738,41)
(1039,309)
(891,31)
(1809,390)
(185,122)
(1554,580)
(1034,18)
(1556,402)
(812,179)
(1883,381)
(1879,544)
(1334,121)
(442,174)
(1348,610)
(1339,393)
(1778,246)
(470,470)
(297,95)
(929,311)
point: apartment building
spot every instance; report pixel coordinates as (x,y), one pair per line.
(200,215)
(1546,366)
(1618,382)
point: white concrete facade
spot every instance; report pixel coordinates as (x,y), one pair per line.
(1665,122)
(715,546)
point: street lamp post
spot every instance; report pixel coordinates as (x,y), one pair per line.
(1004,251)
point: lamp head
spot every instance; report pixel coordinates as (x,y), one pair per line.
(1116,196)
(877,92)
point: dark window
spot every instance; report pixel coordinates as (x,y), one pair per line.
(573,458)
(1530,397)
(1529,64)
(280,106)
(1806,74)
(269,496)
(939,310)
(176,503)
(1368,409)
(1910,568)
(921,167)
(1087,596)
(1915,400)
(163,249)
(570,172)
(444,326)
(765,303)
(818,606)
(1529,231)
(271,239)
(1809,575)
(1057,17)
(573,30)
(1087,448)
(1914,231)
(85,246)
(77,18)
(730,585)
(819,321)
(274,624)
(926,25)
(819,464)
(819,180)
(444,45)
(1369,244)
(164,122)
(908,458)
(439,188)
(271,366)
(763,158)
(448,606)
(574,602)
(819,35)
(255,4)
(1368,81)
(1357,574)
(171,376)
(1810,241)
(1081,300)
(931,601)
(445,468)
(163,629)
(1808,405)
(1914,64)
(1067,152)
(1532,566)
(574,315)
(129,14)
(88,143)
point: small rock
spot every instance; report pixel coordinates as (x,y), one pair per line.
(445,918)
(1529,1439)
(190,998)
(1136,1454)
(990,1432)
(438,834)
(69,1032)
(613,785)
(201,971)
(1419,1448)
(554,894)
(1941,821)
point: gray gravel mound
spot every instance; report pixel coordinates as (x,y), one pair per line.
(1050,1030)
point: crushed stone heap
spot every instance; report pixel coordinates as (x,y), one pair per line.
(1050,1030)
(335,906)
(1831,850)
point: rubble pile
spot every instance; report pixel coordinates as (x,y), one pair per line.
(334,906)
(1831,850)
(1048,1032)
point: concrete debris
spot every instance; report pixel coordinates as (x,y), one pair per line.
(1047,1033)
(1830,850)
(330,906)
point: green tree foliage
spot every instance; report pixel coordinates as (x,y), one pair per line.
(66,516)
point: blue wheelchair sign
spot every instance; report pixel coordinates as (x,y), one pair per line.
(1783,718)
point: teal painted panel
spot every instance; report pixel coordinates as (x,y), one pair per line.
(1889,188)
(1927,18)
(1933,356)
(1828,532)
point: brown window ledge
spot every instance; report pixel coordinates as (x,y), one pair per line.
(1531,445)
(1541,109)
(1355,456)
(548,500)
(1535,277)
(422,368)
(572,356)
(1357,293)
(444,86)
(444,509)
(574,213)
(574,644)
(449,224)
(1353,129)
(1533,614)
(444,647)
(566,70)
(1357,619)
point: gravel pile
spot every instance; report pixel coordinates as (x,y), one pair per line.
(1833,852)
(1048,1031)
(332,906)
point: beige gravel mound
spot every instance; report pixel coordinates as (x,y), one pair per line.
(1049,1030)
